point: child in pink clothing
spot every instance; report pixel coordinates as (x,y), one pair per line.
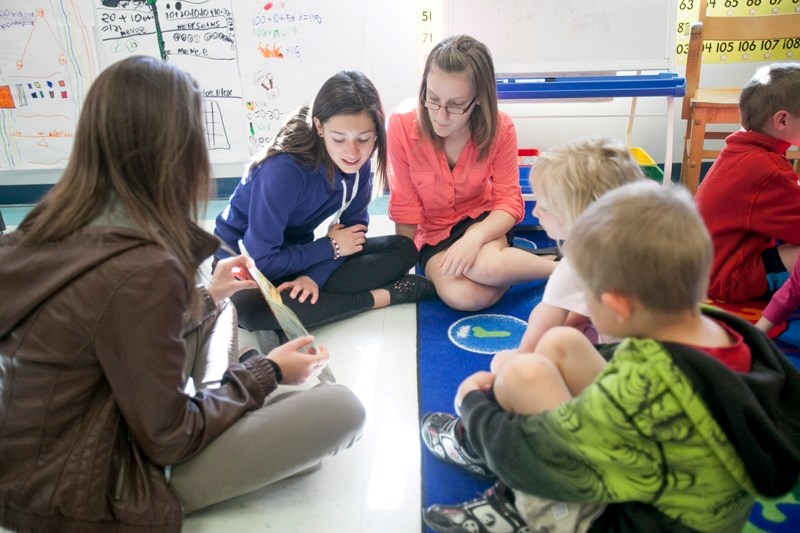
(454,180)
(782,303)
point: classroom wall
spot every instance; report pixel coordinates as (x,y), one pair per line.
(392,63)
(77,41)
(542,125)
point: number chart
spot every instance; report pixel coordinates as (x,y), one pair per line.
(430,18)
(737,51)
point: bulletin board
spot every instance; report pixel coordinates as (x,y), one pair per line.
(255,60)
(542,36)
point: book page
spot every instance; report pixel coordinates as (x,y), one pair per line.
(287,319)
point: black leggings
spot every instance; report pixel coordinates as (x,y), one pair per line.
(346,294)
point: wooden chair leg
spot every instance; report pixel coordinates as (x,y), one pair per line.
(696,153)
(687,136)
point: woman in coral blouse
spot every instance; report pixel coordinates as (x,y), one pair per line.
(454,179)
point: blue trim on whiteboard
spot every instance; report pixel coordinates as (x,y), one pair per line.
(662,84)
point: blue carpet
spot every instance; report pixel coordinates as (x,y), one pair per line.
(454,344)
(443,364)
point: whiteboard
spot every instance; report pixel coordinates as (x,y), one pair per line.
(551,36)
(255,61)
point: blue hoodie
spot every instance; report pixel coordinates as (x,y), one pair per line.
(276,208)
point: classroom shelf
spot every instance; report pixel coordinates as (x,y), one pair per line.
(663,84)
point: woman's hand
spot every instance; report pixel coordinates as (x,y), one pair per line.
(460,256)
(230,276)
(302,287)
(481,381)
(350,239)
(297,366)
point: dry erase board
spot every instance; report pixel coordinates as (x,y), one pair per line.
(255,61)
(534,36)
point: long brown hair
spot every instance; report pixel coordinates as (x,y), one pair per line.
(462,54)
(140,142)
(344,93)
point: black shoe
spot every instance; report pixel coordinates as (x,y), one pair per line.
(410,288)
(493,511)
(443,435)
(550,251)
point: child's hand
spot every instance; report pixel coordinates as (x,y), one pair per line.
(350,239)
(301,289)
(298,367)
(481,381)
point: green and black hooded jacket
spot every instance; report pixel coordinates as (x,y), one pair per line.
(669,437)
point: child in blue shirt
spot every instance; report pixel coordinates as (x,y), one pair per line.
(319,167)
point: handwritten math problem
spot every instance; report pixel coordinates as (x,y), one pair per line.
(255,61)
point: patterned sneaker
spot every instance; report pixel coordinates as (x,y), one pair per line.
(493,512)
(410,288)
(443,435)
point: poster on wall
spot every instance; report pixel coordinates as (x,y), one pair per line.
(256,61)
(287,51)
(47,64)
(200,38)
(737,51)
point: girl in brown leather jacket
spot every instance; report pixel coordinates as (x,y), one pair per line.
(101,321)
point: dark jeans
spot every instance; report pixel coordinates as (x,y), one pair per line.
(383,260)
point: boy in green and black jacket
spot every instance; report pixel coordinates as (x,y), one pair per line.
(677,428)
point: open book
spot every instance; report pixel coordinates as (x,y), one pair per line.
(290,324)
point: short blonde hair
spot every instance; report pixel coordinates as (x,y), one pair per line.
(646,241)
(575,174)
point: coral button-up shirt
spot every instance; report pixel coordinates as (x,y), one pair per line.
(425,192)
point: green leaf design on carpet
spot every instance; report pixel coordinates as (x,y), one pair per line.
(481,333)
(779,515)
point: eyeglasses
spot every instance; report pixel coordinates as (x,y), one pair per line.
(451,109)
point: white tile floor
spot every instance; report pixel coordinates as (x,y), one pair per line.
(374,487)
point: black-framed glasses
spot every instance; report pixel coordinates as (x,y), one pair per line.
(451,109)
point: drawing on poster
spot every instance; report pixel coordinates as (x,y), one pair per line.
(266,80)
(256,63)
(6,100)
(216,136)
(48,62)
(288,49)
(198,37)
(39,20)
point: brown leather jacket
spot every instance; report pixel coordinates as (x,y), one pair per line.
(92,406)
